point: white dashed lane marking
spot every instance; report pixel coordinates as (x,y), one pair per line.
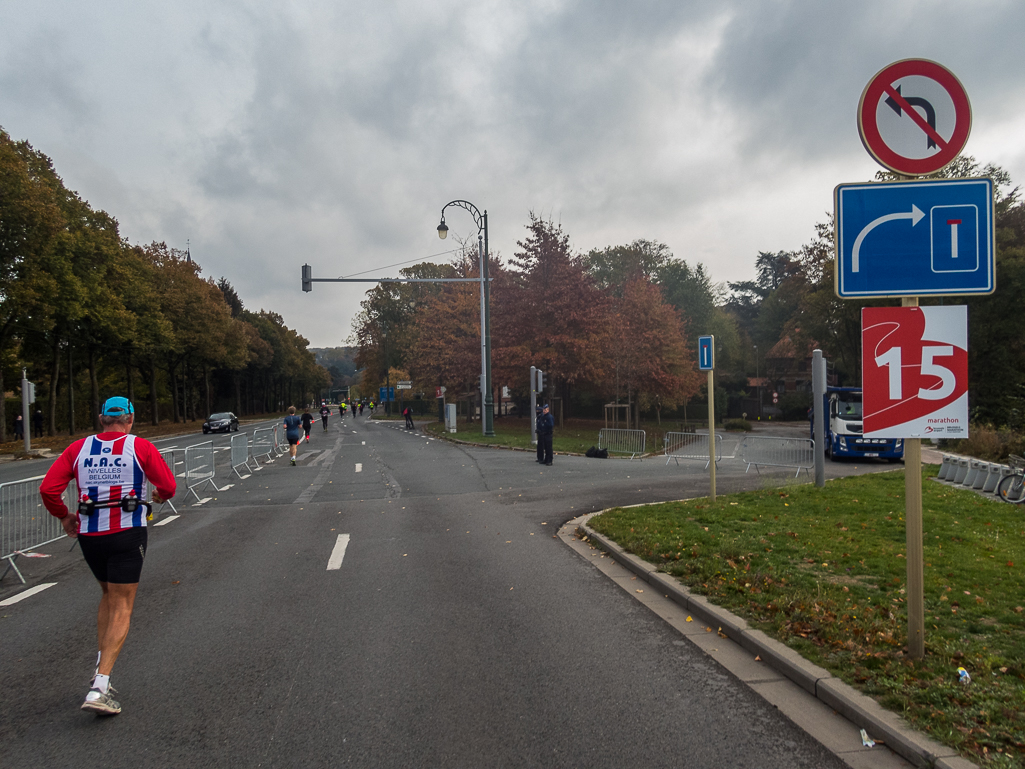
(359,467)
(168,519)
(26,593)
(338,553)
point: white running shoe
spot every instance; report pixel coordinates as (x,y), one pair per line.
(102,703)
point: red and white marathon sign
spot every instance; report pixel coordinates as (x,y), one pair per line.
(915,372)
(914,117)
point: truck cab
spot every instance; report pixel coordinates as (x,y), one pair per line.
(843,428)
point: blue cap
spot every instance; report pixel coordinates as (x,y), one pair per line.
(117,407)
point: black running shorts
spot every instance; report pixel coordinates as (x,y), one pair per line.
(116,557)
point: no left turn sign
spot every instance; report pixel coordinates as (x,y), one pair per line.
(914,117)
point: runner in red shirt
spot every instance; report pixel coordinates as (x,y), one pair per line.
(111,467)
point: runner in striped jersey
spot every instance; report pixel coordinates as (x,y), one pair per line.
(113,466)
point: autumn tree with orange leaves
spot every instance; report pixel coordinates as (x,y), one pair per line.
(546,312)
(646,356)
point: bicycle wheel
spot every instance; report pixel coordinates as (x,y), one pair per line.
(1012,489)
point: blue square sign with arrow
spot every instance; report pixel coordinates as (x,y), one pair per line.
(920,238)
(706,353)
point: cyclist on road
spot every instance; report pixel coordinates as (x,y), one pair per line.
(292,425)
(110,467)
(325,412)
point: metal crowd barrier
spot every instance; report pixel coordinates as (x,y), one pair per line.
(199,468)
(778,452)
(279,447)
(168,456)
(25,524)
(264,444)
(691,446)
(240,455)
(622,441)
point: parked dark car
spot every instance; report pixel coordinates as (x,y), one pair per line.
(224,422)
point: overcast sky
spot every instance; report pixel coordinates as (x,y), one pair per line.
(269,134)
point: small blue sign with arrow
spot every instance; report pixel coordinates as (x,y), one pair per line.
(922,238)
(706,353)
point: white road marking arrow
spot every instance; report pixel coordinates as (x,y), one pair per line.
(915,215)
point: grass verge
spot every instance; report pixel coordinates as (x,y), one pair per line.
(823,570)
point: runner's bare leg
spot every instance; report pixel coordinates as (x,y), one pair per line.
(112,621)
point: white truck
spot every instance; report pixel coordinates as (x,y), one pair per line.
(843,428)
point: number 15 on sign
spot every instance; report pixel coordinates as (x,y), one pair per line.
(915,372)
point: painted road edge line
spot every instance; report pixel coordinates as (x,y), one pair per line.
(26,593)
(335,561)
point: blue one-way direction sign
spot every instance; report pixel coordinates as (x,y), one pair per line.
(919,238)
(706,354)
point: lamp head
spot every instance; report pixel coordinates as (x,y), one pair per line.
(443,229)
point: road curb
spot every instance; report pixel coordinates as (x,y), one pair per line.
(863,711)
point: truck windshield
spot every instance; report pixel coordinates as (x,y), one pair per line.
(848,408)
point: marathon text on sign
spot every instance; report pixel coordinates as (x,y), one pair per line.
(915,372)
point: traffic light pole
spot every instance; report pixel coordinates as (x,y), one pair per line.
(26,386)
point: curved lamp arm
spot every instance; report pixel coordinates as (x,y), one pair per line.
(478,218)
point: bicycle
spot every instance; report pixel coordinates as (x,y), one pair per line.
(1012,487)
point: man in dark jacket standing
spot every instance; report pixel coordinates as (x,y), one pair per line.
(546,425)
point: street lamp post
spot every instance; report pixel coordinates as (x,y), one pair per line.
(481,220)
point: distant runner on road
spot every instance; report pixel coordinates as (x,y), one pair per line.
(307,420)
(325,412)
(292,425)
(110,467)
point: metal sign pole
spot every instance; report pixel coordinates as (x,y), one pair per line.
(533,405)
(818,395)
(711,435)
(913,529)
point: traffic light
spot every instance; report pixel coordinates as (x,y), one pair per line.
(307,278)
(540,381)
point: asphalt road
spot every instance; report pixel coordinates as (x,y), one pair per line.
(456,630)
